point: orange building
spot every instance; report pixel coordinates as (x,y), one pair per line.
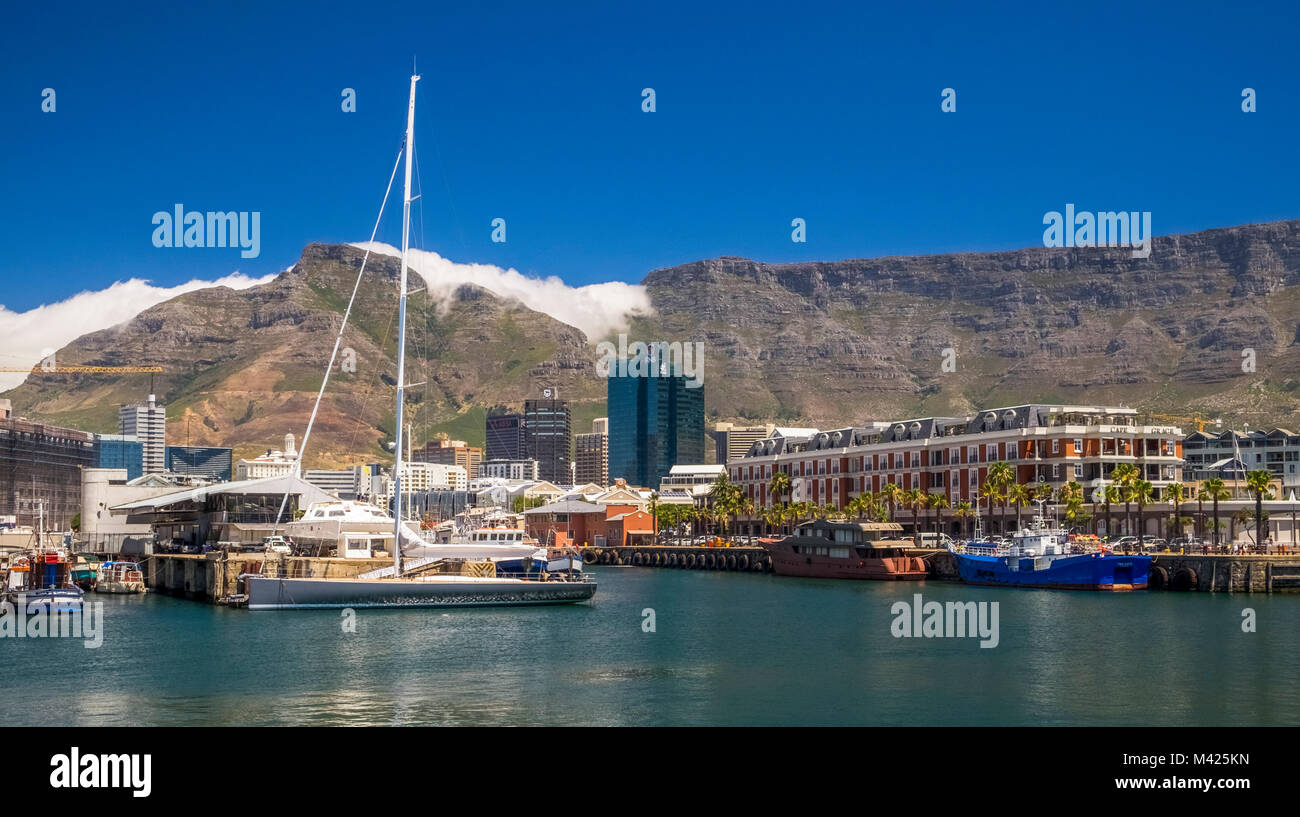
(587,524)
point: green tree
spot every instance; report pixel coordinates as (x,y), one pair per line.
(891,494)
(1142,492)
(964,511)
(990,493)
(1001,475)
(1124,475)
(1258,483)
(938,501)
(1214,490)
(1176,494)
(779,486)
(1110,496)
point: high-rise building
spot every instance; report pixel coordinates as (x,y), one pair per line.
(504,437)
(733,442)
(215,464)
(451,452)
(655,423)
(508,469)
(547,437)
(119,451)
(341,483)
(148,424)
(591,454)
(40,470)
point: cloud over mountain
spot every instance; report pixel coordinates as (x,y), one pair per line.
(26,337)
(596,309)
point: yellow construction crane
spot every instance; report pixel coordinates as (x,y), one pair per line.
(1200,422)
(63,368)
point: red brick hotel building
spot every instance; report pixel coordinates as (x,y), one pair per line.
(1055,444)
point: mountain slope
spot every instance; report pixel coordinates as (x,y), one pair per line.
(846,341)
(822,343)
(242,368)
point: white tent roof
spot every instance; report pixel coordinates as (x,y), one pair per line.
(269,485)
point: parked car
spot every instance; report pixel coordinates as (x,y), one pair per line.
(191,548)
(1126,542)
(278,544)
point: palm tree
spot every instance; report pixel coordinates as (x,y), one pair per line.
(891,494)
(938,502)
(1214,490)
(916,499)
(1143,492)
(1018,494)
(1072,498)
(990,492)
(1111,496)
(779,486)
(1258,482)
(1001,475)
(1200,515)
(725,497)
(963,512)
(1124,475)
(1175,493)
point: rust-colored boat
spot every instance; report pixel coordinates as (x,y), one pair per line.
(844,550)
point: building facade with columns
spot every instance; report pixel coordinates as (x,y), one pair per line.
(1043,443)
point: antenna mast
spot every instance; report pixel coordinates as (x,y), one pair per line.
(401,333)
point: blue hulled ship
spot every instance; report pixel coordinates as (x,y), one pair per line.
(1042,556)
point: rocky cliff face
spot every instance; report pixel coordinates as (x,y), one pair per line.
(834,342)
(823,343)
(242,368)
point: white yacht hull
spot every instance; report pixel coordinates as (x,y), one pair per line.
(267,593)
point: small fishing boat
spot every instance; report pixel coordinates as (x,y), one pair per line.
(41,580)
(85,571)
(121,577)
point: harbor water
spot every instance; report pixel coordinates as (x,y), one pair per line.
(726,648)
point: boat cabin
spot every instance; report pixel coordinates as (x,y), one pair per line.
(363,544)
(844,540)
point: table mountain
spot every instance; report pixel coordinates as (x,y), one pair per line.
(818,343)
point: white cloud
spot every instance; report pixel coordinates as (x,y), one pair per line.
(25,337)
(596,309)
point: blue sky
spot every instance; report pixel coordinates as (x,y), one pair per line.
(765,112)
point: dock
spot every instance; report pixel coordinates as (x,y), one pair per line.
(214,577)
(684,557)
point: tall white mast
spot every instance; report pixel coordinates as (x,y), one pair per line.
(401,334)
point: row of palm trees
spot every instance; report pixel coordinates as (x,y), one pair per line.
(727,502)
(1001,486)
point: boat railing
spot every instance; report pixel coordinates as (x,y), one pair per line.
(979,550)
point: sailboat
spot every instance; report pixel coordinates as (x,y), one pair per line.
(423,574)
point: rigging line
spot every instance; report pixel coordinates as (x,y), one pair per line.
(302,452)
(374,376)
(423,410)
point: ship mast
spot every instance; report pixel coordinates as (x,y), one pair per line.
(401,334)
